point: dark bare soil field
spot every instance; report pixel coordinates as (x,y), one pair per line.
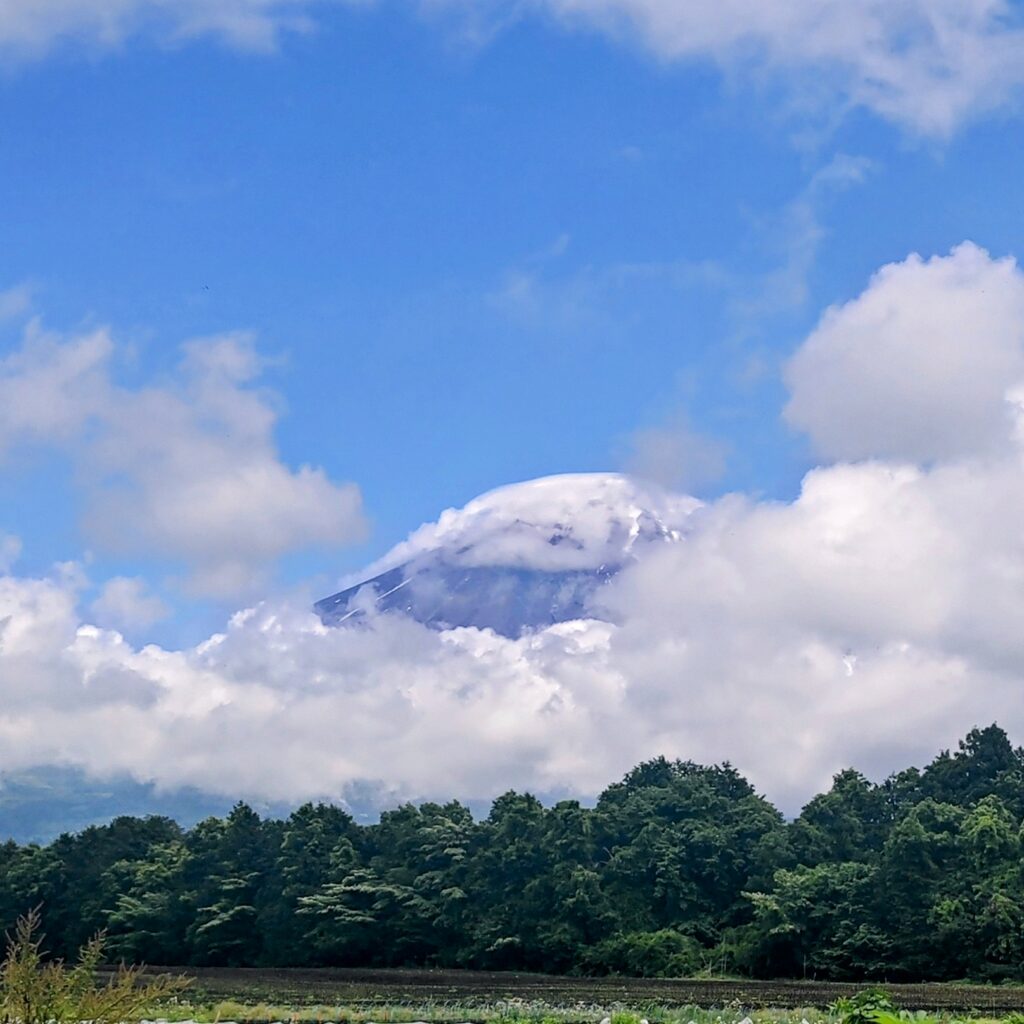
(356,987)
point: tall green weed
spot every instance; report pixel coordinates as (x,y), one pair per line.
(34,990)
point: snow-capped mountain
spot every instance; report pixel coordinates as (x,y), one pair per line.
(520,557)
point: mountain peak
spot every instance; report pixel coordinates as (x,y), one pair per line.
(519,557)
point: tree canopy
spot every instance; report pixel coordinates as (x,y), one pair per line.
(676,869)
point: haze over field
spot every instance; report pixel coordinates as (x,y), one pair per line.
(705,327)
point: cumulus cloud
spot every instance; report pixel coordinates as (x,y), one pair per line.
(920,366)
(52,386)
(869,621)
(186,469)
(926,64)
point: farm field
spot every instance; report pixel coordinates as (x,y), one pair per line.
(399,994)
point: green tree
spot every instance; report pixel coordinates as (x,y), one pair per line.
(228,863)
(303,862)
(149,919)
(818,922)
(681,844)
(848,823)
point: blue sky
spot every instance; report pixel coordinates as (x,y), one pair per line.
(431,237)
(430,248)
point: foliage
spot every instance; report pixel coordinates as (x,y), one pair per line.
(36,991)
(661,954)
(679,869)
(864,1008)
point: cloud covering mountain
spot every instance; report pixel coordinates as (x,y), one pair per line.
(522,557)
(867,621)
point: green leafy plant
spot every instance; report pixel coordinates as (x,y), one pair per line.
(625,1017)
(870,1007)
(34,990)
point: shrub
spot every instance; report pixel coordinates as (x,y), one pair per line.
(36,991)
(661,954)
(869,1007)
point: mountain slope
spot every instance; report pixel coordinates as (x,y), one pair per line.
(520,557)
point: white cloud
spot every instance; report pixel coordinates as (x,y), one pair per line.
(737,643)
(15,302)
(30,28)
(928,65)
(794,237)
(871,621)
(185,470)
(674,455)
(52,386)
(918,366)
(925,64)
(125,602)
(545,292)
(597,517)
(10,550)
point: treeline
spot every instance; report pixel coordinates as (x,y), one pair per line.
(678,869)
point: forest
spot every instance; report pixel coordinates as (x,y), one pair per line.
(677,870)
